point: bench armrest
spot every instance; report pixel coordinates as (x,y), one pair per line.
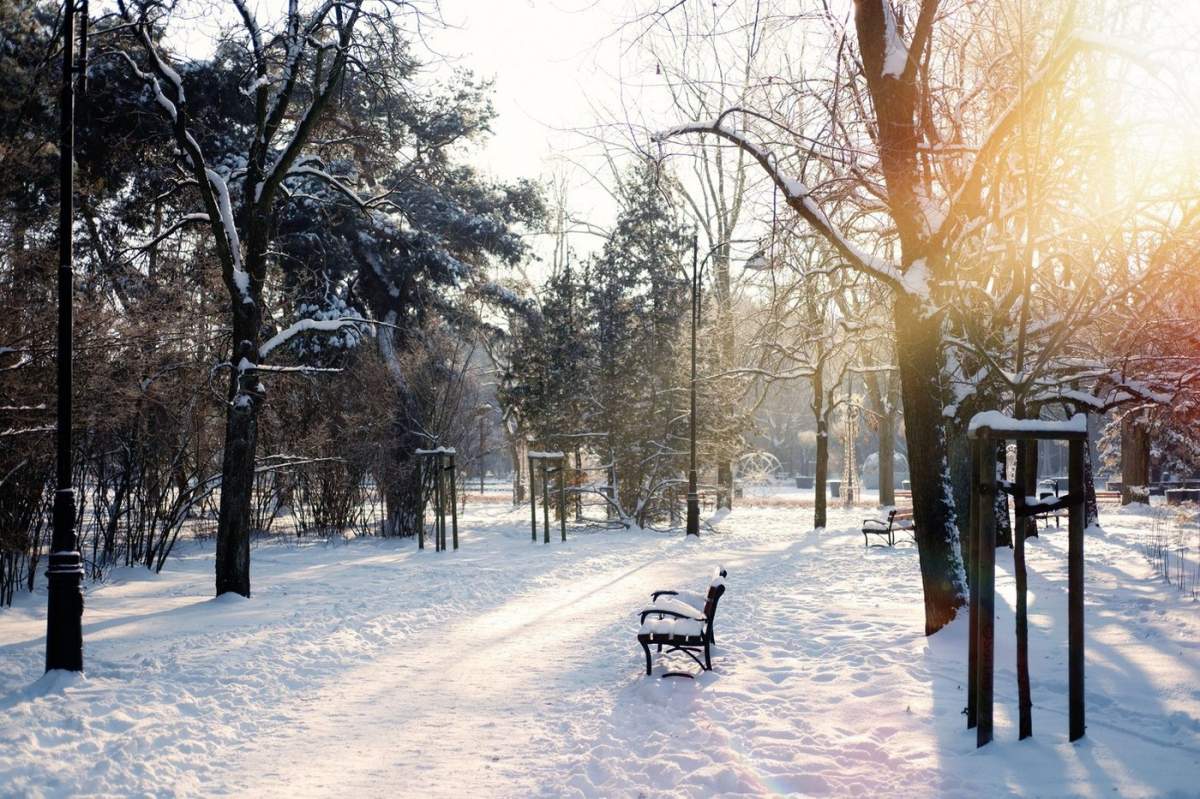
(655,595)
(877,522)
(661,613)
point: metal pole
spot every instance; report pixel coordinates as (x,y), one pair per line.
(481,455)
(64,575)
(693,498)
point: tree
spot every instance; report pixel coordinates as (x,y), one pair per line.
(937,150)
(636,303)
(277,168)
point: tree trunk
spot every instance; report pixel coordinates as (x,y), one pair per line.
(725,484)
(821,472)
(887,459)
(237,467)
(918,339)
(1135,459)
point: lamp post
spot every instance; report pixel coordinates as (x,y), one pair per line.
(693,498)
(64,574)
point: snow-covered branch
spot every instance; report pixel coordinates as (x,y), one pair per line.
(798,197)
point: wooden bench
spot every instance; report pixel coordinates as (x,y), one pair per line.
(682,621)
(897,521)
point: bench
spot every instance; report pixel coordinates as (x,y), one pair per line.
(897,521)
(682,621)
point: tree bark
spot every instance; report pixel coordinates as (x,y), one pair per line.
(237,467)
(918,348)
(887,458)
(1135,459)
(821,472)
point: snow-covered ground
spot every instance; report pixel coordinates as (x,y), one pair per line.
(510,669)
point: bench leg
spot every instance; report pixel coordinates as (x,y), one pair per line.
(646,648)
(707,659)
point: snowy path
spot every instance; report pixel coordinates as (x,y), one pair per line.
(468,707)
(509,669)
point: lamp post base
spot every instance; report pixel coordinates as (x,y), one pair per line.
(64,603)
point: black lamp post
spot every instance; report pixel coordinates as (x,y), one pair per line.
(64,604)
(693,498)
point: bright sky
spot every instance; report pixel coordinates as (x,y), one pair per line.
(555,62)
(550,59)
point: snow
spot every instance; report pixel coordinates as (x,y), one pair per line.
(305,325)
(895,54)
(241,278)
(511,669)
(999,422)
(916,279)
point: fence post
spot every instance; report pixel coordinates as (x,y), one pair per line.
(532,503)
(985,476)
(454,499)
(545,505)
(421,499)
(973,575)
(562,497)
(1075,532)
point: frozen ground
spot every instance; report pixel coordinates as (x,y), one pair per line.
(510,669)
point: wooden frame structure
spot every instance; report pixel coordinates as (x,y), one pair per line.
(438,475)
(548,463)
(986,431)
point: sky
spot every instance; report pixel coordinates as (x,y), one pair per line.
(552,61)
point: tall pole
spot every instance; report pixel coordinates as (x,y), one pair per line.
(693,498)
(64,604)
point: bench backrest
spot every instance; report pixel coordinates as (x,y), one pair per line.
(715,589)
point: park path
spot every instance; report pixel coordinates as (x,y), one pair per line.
(488,704)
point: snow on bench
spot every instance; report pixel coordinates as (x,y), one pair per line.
(683,622)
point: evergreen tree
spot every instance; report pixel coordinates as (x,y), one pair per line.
(638,304)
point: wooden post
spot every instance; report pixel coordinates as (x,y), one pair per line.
(545,506)
(1027,486)
(454,500)
(577,482)
(973,575)
(421,502)
(562,497)
(1075,590)
(440,531)
(985,476)
(532,503)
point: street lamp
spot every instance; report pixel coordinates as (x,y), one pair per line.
(64,574)
(693,497)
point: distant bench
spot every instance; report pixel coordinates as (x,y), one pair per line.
(897,521)
(682,621)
